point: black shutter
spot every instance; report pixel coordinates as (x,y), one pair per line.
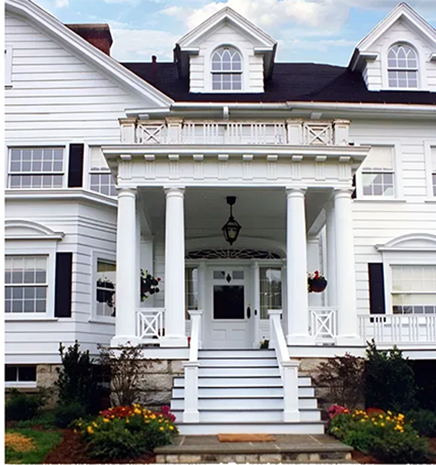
(75,169)
(64,268)
(376,288)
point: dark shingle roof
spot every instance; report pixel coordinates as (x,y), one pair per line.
(289,82)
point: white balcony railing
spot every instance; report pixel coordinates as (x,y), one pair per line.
(323,323)
(150,324)
(398,329)
(284,132)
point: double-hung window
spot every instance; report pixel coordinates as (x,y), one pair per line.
(38,167)
(106,288)
(402,67)
(226,69)
(26,284)
(20,374)
(101,179)
(433,170)
(414,289)
(378,175)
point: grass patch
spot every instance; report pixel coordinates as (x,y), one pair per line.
(44,442)
(45,420)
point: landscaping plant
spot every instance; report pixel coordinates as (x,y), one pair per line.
(345,379)
(21,406)
(424,421)
(390,381)
(385,435)
(126,432)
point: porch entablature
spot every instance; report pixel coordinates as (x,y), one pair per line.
(293,131)
(302,166)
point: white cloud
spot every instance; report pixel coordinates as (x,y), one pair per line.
(61,3)
(140,45)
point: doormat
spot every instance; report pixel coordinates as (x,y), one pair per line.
(246,438)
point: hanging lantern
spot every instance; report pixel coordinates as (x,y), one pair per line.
(232,227)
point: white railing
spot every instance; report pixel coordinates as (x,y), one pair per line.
(398,329)
(323,323)
(150,324)
(288,368)
(235,132)
(190,413)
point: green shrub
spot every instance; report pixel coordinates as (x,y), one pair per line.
(344,377)
(65,414)
(22,406)
(390,381)
(126,432)
(423,421)
(388,437)
(44,419)
(75,382)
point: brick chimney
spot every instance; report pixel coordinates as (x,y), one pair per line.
(98,35)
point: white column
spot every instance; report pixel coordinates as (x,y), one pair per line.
(331,255)
(255,311)
(127,273)
(345,272)
(174,270)
(296,262)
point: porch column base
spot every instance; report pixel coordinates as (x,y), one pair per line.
(174,341)
(124,340)
(299,340)
(191,417)
(349,340)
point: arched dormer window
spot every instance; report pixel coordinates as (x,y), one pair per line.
(226,69)
(402,67)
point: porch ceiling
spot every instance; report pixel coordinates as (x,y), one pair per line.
(261,212)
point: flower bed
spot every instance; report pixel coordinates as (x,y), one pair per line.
(385,435)
(126,431)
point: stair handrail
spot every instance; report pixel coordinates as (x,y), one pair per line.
(190,412)
(288,368)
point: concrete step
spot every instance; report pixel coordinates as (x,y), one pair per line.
(236,353)
(240,415)
(251,427)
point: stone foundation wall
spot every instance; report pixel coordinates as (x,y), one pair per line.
(157,381)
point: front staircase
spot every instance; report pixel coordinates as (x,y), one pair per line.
(241,391)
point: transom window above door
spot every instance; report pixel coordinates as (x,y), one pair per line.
(226,69)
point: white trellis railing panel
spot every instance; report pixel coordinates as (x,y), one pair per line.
(151,133)
(323,323)
(150,324)
(398,329)
(318,134)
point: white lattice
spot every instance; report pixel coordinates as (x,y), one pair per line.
(150,133)
(150,323)
(323,323)
(318,134)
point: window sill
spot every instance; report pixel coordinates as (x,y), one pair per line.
(104,321)
(380,199)
(20,384)
(430,200)
(29,318)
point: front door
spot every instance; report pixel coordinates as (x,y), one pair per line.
(228,314)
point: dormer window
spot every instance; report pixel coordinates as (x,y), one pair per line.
(226,69)
(402,67)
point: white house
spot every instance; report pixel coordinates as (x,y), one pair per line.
(326,168)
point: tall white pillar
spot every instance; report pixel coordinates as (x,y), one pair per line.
(296,263)
(345,271)
(331,255)
(174,269)
(127,274)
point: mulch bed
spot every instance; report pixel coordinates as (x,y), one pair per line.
(72,450)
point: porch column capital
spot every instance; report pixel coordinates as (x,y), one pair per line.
(295,192)
(174,191)
(342,193)
(126,192)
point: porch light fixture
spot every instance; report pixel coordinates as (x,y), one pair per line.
(232,227)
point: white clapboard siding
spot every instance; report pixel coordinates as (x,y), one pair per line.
(56,95)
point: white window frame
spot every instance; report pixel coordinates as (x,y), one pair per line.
(8,65)
(22,384)
(406,69)
(89,173)
(277,266)
(227,72)
(35,248)
(208,53)
(397,175)
(429,146)
(96,257)
(65,165)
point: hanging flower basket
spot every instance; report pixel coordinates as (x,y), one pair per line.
(316,282)
(149,285)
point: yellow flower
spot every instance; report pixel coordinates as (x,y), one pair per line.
(94,424)
(400,416)
(389,412)
(74,431)
(382,424)
(106,420)
(171,427)
(127,420)
(153,417)
(137,411)
(160,420)
(363,420)
(162,428)
(388,418)
(90,430)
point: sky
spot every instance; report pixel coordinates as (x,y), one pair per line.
(320,31)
